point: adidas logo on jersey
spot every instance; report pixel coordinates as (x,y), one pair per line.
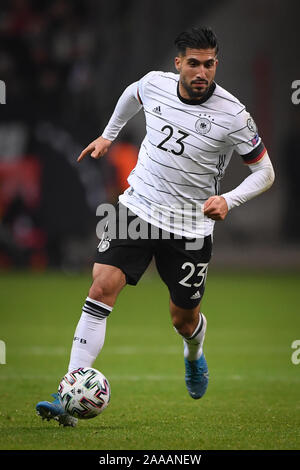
(157,110)
(196,295)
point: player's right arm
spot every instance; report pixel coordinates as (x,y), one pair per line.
(96,149)
(127,106)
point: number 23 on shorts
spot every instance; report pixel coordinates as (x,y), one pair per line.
(191,268)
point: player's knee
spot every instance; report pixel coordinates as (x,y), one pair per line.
(97,290)
(102,289)
(106,285)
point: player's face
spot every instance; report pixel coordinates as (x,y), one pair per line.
(197,69)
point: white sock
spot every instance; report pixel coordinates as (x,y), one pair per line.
(90,334)
(193,346)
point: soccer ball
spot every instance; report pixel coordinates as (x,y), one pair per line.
(84,393)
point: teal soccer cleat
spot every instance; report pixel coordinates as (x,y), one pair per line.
(196,377)
(53,410)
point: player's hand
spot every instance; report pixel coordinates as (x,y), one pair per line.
(215,208)
(96,149)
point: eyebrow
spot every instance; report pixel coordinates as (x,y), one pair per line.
(194,59)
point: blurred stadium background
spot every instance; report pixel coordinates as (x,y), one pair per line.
(65,63)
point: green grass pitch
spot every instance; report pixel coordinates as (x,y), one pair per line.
(252,401)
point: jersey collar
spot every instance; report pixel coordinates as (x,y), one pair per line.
(195,101)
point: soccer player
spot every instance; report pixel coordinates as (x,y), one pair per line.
(193,125)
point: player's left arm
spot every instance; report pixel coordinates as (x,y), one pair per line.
(261,179)
(243,136)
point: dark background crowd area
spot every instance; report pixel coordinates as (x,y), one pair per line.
(64,64)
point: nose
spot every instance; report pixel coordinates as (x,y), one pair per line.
(201,72)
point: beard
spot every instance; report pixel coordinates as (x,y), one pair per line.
(193,92)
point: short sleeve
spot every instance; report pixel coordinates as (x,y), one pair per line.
(244,137)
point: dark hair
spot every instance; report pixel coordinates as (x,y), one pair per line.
(196,38)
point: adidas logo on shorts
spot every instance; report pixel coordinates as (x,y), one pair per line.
(196,295)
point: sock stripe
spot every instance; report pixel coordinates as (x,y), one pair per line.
(97,309)
(94,306)
(198,329)
(93,313)
(97,303)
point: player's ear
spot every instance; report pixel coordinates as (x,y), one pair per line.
(178,63)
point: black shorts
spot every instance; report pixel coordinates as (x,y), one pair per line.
(182,267)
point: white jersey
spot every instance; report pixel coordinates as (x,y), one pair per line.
(185,152)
